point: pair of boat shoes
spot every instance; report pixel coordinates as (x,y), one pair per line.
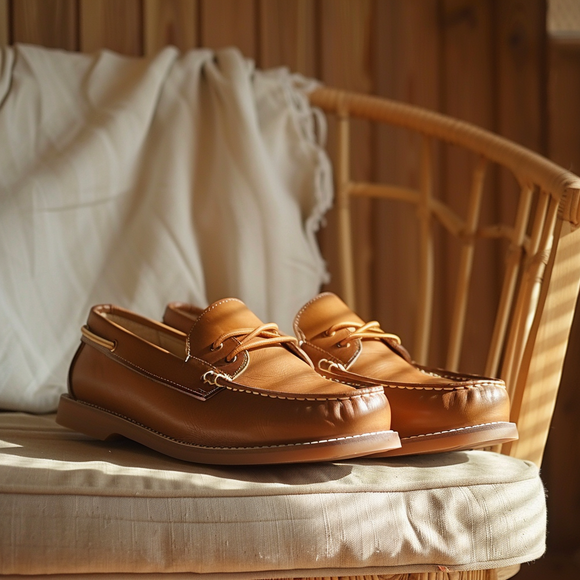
(219,386)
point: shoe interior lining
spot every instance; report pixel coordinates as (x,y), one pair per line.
(165,341)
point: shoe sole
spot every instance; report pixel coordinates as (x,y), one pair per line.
(463,438)
(105,425)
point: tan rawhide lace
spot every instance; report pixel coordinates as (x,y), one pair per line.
(268,333)
(369,330)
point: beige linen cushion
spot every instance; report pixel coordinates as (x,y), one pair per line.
(72,505)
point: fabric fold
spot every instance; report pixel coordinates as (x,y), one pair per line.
(139,181)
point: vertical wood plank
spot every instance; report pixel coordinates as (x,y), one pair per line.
(560,466)
(560,470)
(346,36)
(468,80)
(468,84)
(287,35)
(113,24)
(564,96)
(50,23)
(526,65)
(173,22)
(230,23)
(520,29)
(406,67)
(521,92)
(4,19)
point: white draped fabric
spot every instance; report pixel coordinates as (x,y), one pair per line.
(134,181)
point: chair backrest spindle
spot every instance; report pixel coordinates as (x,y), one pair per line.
(343,208)
(532,270)
(535,302)
(513,267)
(426,258)
(466,265)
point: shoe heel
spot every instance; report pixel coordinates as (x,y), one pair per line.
(86,419)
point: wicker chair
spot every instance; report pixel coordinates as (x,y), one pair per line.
(541,271)
(133,511)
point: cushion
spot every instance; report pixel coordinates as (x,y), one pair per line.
(69,504)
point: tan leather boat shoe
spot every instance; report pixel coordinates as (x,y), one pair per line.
(231,391)
(433,410)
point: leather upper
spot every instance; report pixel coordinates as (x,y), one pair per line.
(184,386)
(422,400)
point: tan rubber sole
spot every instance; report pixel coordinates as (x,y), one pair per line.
(105,425)
(472,437)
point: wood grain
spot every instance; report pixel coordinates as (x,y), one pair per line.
(288,35)
(406,66)
(481,61)
(345,38)
(52,23)
(4,23)
(113,24)
(563,98)
(561,466)
(521,87)
(173,22)
(227,23)
(467,88)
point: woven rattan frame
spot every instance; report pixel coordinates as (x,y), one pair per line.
(542,274)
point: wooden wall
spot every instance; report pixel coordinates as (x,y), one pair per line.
(485,61)
(480,60)
(562,460)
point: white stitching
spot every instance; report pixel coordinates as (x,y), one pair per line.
(386,385)
(206,311)
(153,375)
(356,394)
(438,388)
(298,444)
(311,301)
(457,430)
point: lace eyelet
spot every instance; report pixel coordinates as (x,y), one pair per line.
(340,345)
(214,348)
(328,333)
(228,360)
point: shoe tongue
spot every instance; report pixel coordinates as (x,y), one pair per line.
(219,318)
(271,368)
(375,358)
(320,314)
